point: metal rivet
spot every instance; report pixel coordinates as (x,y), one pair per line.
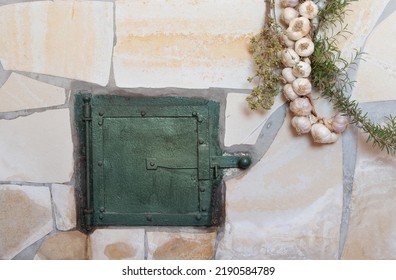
(198,217)
(204,208)
(142,113)
(149,218)
(100,163)
(201,141)
(194,114)
(244,162)
(152,163)
(101,216)
(101,209)
(199,119)
(202,189)
(101,113)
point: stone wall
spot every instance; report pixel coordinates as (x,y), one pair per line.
(297,201)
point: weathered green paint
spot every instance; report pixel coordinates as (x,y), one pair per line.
(150,161)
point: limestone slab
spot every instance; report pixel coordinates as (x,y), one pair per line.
(376,77)
(64,201)
(25,217)
(71,39)
(287,206)
(361,18)
(70,245)
(242,125)
(372,227)
(117,244)
(37,148)
(20,92)
(191,44)
(181,245)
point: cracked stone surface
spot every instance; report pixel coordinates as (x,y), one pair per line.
(72,39)
(20,92)
(37,148)
(25,217)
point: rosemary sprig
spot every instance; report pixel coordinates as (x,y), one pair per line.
(330,75)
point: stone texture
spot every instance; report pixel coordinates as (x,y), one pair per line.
(70,245)
(289,205)
(64,202)
(181,245)
(372,228)
(242,125)
(71,39)
(117,244)
(25,217)
(361,19)
(37,148)
(377,74)
(20,92)
(191,44)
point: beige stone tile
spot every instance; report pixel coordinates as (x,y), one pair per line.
(20,92)
(70,245)
(117,244)
(70,39)
(181,245)
(37,148)
(377,74)
(372,228)
(361,19)
(25,217)
(287,206)
(242,125)
(193,44)
(64,201)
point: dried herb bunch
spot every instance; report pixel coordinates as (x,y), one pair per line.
(329,73)
(263,47)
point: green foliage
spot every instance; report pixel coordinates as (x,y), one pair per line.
(330,75)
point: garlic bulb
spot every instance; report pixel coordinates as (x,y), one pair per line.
(339,123)
(301,106)
(321,134)
(288,14)
(301,69)
(308,9)
(302,86)
(306,60)
(313,119)
(289,43)
(289,3)
(287,74)
(304,47)
(289,93)
(290,57)
(298,28)
(301,124)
